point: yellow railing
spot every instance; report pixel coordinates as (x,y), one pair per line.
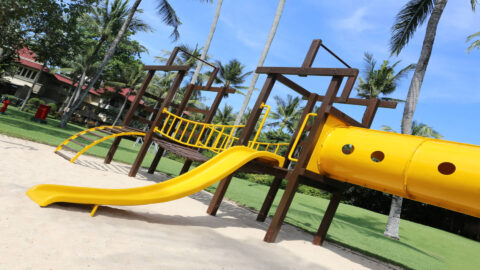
(292,150)
(215,138)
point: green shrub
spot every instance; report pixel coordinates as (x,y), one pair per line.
(33,104)
(53,107)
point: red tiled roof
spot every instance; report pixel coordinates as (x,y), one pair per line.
(63,79)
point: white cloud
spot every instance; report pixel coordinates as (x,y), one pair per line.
(356,22)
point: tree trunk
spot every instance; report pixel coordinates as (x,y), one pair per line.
(111,50)
(393,223)
(31,88)
(121,110)
(66,102)
(271,35)
(207,43)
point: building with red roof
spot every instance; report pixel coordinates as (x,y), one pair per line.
(54,87)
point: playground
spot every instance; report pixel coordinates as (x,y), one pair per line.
(174,235)
(327,149)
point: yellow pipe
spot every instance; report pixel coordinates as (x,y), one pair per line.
(432,171)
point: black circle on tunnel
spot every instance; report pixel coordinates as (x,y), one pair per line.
(446,168)
(347,149)
(377,156)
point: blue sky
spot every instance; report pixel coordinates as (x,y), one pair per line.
(450,95)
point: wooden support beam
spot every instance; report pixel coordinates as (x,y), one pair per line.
(214,89)
(167,68)
(348,72)
(312,53)
(293,177)
(342,116)
(273,190)
(294,86)
(370,112)
(361,101)
(348,88)
(243,140)
(128,117)
(327,218)
(147,140)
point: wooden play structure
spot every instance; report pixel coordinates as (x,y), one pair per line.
(336,150)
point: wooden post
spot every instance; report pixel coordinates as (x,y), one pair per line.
(129,115)
(293,176)
(149,135)
(243,140)
(327,218)
(272,192)
(180,109)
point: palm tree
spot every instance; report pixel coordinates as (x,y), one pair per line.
(207,43)
(224,116)
(419,129)
(105,21)
(270,37)
(407,21)
(286,114)
(382,81)
(74,69)
(132,78)
(169,17)
(232,74)
(476,43)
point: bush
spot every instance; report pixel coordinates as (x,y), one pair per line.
(33,104)
(53,107)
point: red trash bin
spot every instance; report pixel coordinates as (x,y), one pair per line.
(42,113)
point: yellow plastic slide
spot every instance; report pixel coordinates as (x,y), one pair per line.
(186,184)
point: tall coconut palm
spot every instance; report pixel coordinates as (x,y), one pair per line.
(207,43)
(407,21)
(286,114)
(271,35)
(475,44)
(232,74)
(105,21)
(382,81)
(169,17)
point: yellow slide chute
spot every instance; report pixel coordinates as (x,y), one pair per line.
(186,184)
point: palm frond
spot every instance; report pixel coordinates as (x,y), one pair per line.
(410,17)
(473,3)
(475,44)
(169,17)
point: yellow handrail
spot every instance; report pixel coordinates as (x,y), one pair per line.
(298,137)
(263,122)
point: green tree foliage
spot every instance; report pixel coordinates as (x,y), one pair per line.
(48,27)
(380,81)
(287,113)
(224,116)
(232,74)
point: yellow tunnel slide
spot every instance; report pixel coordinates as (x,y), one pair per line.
(437,172)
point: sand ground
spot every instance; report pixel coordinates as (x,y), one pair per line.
(173,235)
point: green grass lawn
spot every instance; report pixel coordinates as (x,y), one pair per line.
(420,247)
